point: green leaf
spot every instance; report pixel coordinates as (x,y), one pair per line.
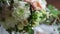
(53,11)
(31,31)
(50,7)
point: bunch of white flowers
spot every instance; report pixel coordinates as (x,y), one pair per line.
(22,12)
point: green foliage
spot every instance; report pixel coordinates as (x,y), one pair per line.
(31,31)
(38,17)
(55,12)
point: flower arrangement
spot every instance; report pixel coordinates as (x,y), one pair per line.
(23,15)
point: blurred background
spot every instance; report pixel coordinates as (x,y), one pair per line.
(55,3)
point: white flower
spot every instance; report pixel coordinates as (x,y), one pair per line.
(20,26)
(9,22)
(21,12)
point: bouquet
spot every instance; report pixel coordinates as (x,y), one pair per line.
(24,15)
